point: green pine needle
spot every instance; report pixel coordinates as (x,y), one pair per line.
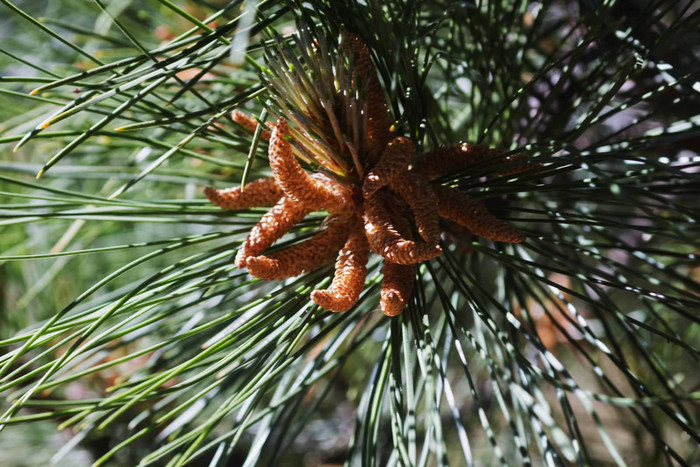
(123,317)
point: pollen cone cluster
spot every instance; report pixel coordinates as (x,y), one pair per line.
(384,205)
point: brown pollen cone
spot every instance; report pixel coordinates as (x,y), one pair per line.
(261,192)
(397,287)
(416,192)
(249,123)
(314,192)
(386,240)
(393,162)
(458,207)
(378,116)
(445,160)
(350,273)
(303,257)
(518,168)
(272,226)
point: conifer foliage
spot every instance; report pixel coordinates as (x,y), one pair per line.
(125,321)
